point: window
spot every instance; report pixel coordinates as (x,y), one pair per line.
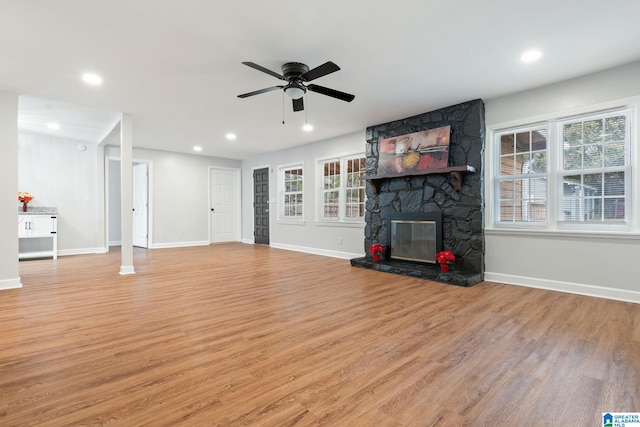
(522,178)
(592,177)
(342,192)
(571,172)
(291,202)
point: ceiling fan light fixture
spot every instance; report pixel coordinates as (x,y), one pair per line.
(295,91)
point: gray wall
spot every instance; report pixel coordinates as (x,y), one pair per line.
(311,236)
(59,175)
(603,264)
(179,195)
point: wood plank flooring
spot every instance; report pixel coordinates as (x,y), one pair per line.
(243,335)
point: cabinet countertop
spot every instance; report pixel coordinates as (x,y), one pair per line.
(37,210)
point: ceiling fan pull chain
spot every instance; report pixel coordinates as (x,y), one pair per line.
(282,107)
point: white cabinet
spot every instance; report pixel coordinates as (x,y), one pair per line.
(38,227)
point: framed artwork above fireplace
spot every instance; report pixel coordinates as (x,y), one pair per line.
(414,152)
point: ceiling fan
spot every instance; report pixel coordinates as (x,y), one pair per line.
(296,75)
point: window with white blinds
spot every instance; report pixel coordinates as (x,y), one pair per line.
(592,178)
(572,172)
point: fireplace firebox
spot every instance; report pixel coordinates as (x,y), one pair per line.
(414,236)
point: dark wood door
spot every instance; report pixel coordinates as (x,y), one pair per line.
(261,206)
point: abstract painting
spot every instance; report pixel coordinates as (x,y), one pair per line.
(414,152)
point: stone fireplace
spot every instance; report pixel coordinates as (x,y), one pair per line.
(391,200)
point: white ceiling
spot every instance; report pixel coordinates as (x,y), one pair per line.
(176,66)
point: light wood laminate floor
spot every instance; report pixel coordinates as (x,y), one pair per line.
(243,335)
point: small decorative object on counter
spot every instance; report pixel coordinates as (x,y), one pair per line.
(25,198)
(376,250)
(446,259)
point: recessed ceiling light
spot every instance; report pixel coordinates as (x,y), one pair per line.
(197,148)
(92,79)
(231,136)
(307,127)
(53,126)
(530,56)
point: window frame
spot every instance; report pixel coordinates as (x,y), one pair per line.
(498,178)
(624,224)
(555,171)
(282,193)
(341,218)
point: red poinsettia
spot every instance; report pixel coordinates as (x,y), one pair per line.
(376,248)
(445,257)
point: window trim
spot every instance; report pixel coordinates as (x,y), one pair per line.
(341,219)
(632,158)
(281,218)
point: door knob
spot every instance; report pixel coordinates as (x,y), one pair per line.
(266,210)
(212,210)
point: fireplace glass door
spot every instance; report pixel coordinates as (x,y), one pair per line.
(414,240)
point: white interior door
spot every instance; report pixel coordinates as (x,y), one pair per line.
(141,205)
(225,209)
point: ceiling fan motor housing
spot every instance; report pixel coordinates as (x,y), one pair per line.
(293,70)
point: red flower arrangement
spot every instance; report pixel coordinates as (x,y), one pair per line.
(445,257)
(24,197)
(376,249)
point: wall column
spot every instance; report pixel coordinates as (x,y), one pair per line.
(126,193)
(9,265)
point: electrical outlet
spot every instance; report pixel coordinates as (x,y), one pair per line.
(339,240)
(182,232)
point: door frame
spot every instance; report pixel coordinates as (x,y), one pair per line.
(149,163)
(134,192)
(237,203)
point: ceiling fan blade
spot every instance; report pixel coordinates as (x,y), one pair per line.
(331,92)
(258,92)
(298,104)
(264,70)
(322,70)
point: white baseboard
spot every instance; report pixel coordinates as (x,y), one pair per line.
(10,283)
(127,269)
(248,241)
(568,287)
(316,251)
(81,251)
(178,244)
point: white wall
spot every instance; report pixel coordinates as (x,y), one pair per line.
(310,236)
(9,272)
(179,195)
(59,175)
(595,264)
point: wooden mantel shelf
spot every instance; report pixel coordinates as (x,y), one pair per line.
(455,172)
